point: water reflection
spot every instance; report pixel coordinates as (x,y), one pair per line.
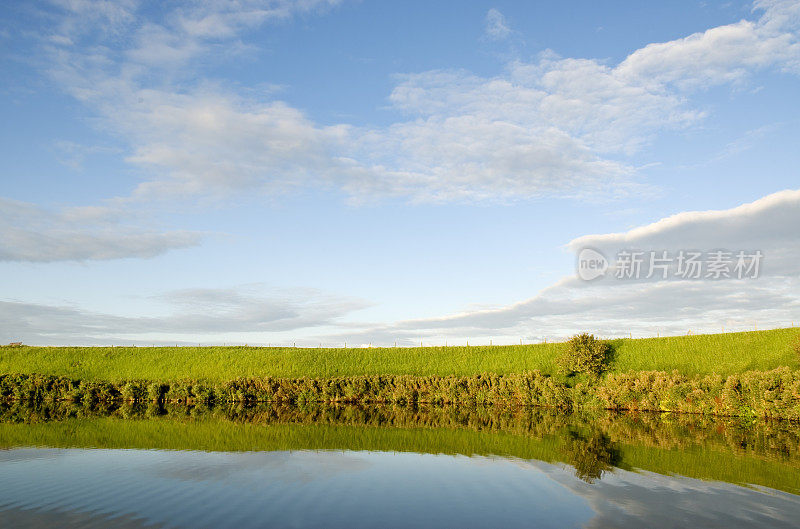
(351,466)
(751,452)
(360,489)
(591,454)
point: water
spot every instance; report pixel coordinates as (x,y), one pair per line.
(391,467)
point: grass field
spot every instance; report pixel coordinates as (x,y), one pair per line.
(698,354)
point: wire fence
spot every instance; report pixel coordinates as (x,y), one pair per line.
(441,341)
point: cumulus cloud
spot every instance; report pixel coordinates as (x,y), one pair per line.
(213,144)
(106,54)
(551,126)
(723,54)
(614,307)
(34,234)
(194,314)
(767,225)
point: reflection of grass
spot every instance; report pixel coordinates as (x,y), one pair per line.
(710,464)
(720,353)
(764,454)
(219,435)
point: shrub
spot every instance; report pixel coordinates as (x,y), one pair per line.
(204,393)
(584,354)
(134,391)
(769,394)
(156,391)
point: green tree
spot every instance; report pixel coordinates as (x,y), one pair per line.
(584,354)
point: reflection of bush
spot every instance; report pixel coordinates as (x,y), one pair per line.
(774,440)
(592,444)
(591,455)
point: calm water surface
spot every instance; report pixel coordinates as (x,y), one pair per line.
(382,467)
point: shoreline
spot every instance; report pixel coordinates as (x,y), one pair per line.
(772,394)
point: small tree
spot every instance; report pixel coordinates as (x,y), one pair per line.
(584,354)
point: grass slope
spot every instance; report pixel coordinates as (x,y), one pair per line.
(698,354)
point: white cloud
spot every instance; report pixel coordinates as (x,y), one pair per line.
(562,126)
(247,311)
(612,307)
(250,309)
(548,127)
(768,224)
(720,55)
(210,144)
(34,234)
(608,307)
(105,54)
(183,31)
(496,25)
(92,16)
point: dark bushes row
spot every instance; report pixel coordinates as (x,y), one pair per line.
(522,389)
(773,393)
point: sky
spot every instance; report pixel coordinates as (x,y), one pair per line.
(327,172)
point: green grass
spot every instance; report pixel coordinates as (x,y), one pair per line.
(711,353)
(699,354)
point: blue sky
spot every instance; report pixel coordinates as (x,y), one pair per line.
(319,171)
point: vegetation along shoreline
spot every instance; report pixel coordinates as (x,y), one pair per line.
(581,374)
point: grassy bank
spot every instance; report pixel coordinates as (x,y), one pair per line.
(690,355)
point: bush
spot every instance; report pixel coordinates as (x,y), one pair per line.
(134,391)
(156,391)
(768,394)
(797,346)
(584,354)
